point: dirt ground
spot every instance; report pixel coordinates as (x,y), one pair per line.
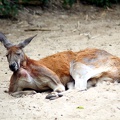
(89,27)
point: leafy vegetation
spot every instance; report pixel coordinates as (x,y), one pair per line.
(68,2)
(8,8)
(80,107)
(11,7)
(102,3)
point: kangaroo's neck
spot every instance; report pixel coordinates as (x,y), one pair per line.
(27,62)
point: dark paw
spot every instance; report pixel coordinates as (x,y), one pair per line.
(53,96)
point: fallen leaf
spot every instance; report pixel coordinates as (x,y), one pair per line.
(80,107)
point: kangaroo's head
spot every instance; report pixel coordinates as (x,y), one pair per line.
(15,54)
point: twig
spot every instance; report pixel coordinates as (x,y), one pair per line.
(95,37)
(38,29)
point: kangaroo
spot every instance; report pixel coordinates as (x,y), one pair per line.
(39,75)
(84,68)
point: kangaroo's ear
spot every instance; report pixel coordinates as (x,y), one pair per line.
(25,42)
(5,42)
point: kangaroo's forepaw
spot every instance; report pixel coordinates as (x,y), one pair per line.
(53,95)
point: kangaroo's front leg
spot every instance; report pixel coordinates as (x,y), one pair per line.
(23,93)
(50,78)
(19,81)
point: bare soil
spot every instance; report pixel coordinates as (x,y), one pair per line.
(89,27)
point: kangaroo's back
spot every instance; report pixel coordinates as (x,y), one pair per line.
(98,58)
(94,57)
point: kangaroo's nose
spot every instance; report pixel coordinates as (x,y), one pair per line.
(12,67)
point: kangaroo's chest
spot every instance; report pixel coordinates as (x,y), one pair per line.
(27,80)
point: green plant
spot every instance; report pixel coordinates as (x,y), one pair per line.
(101,3)
(68,2)
(45,1)
(8,7)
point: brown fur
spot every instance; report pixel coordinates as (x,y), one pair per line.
(100,58)
(58,67)
(55,71)
(60,64)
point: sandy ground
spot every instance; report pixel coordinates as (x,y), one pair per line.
(90,27)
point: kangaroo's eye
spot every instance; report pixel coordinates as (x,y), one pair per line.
(18,54)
